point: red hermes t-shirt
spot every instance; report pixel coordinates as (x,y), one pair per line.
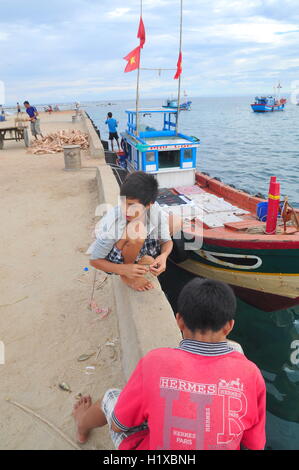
(199,396)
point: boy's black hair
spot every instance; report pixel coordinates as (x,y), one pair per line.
(110,115)
(141,186)
(26,102)
(206,305)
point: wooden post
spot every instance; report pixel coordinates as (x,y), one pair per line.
(138,80)
(179,84)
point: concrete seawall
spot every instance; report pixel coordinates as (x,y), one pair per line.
(146,320)
(96,148)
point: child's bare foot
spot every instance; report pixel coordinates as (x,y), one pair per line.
(140,285)
(79,412)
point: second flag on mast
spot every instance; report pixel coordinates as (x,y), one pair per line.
(133,57)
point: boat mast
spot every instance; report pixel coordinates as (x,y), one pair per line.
(278,90)
(138,80)
(179,84)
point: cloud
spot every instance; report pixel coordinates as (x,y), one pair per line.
(118,12)
(4,36)
(76,47)
(254,32)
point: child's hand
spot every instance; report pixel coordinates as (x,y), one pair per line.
(159,265)
(133,270)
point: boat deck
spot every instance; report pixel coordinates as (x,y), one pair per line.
(228,217)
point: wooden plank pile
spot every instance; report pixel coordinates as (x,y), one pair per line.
(54,142)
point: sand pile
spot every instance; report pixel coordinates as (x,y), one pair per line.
(54,142)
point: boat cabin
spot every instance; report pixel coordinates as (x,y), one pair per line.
(267,100)
(171,156)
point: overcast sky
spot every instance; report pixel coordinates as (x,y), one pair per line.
(67,50)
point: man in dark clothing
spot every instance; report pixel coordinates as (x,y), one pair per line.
(34,119)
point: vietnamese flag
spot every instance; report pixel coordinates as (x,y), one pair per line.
(141,33)
(133,59)
(179,67)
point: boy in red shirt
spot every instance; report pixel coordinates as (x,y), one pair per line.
(203,395)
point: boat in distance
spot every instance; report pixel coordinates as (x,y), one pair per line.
(173,103)
(266,104)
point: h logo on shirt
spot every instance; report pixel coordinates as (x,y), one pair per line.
(230,401)
(171,421)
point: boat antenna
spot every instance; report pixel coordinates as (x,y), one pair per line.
(138,81)
(138,78)
(179,83)
(278,90)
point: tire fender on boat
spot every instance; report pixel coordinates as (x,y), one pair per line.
(179,254)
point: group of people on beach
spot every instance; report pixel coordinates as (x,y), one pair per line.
(204,394)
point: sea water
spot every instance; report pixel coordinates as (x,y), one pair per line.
(238,146)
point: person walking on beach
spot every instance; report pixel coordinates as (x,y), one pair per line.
(33,117)
(203,395)
(112,126)
(18,108)
(133,238)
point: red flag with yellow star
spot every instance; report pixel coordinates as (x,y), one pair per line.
(133,59)
(179,67)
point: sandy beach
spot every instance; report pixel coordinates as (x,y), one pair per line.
(47,220)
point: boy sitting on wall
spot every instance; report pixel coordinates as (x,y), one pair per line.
(134,237)
(203,395)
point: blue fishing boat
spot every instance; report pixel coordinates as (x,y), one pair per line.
(266,104)
(168,154)
(173,104)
